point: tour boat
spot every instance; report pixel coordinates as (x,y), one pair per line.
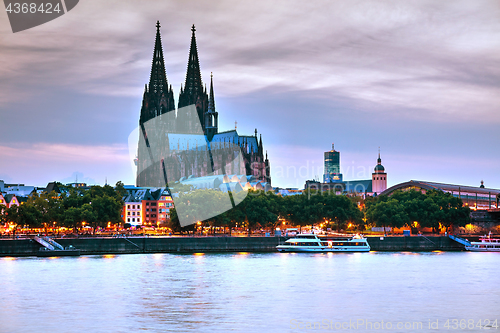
(485,244)
(313,243)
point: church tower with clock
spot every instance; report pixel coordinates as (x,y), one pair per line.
(379,177)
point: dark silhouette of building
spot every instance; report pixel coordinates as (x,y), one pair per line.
(187,143)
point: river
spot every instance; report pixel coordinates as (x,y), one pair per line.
(252,292)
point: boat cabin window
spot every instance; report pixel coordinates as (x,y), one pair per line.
(306,236)
(304,244)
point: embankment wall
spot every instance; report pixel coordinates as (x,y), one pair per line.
(28,247)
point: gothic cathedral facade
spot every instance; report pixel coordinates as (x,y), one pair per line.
(186,143)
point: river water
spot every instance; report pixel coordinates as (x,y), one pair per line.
(252,292)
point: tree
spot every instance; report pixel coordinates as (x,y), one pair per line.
(340,209)
(12,215)
(258,211)
(424,211)
(174,224)
(72,217)
(50,206)
(233,216)
(120,189)
(103,209)
(388,213)
(293,209)
(28,215)
(3,216)
(452,211)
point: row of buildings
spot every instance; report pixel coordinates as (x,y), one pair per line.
(148,206)
(141,206)
(333,179)
(14,194)
(478,198)
(484,202)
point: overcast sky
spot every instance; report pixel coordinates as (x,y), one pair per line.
(420,79)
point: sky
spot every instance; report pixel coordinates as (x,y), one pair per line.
(419,79)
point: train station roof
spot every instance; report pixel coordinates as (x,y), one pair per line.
(441,186)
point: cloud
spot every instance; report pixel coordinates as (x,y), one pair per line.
(360,73)
(41,163)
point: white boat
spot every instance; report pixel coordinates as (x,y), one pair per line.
(485,244)
(313,243)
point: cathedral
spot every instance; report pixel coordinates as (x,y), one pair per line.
(185,143)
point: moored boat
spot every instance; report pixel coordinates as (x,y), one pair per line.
(69,251)
(485,244)
(58,253)
(313,243)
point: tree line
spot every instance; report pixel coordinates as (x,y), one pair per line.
(96,206)
(413,209)
(99,205)
(434,209)
(261,209)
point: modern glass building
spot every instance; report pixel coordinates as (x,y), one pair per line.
(332,166)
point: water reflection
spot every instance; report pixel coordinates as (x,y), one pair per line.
(243,292)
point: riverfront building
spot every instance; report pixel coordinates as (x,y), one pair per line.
(146,206)
(477,198)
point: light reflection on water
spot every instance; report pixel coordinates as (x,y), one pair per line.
(244,292)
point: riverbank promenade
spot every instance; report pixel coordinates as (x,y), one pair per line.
(173,244)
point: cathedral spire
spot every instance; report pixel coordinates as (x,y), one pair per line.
(158,83)
(193,93)
(211,98)
(157,99)
(193,84)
